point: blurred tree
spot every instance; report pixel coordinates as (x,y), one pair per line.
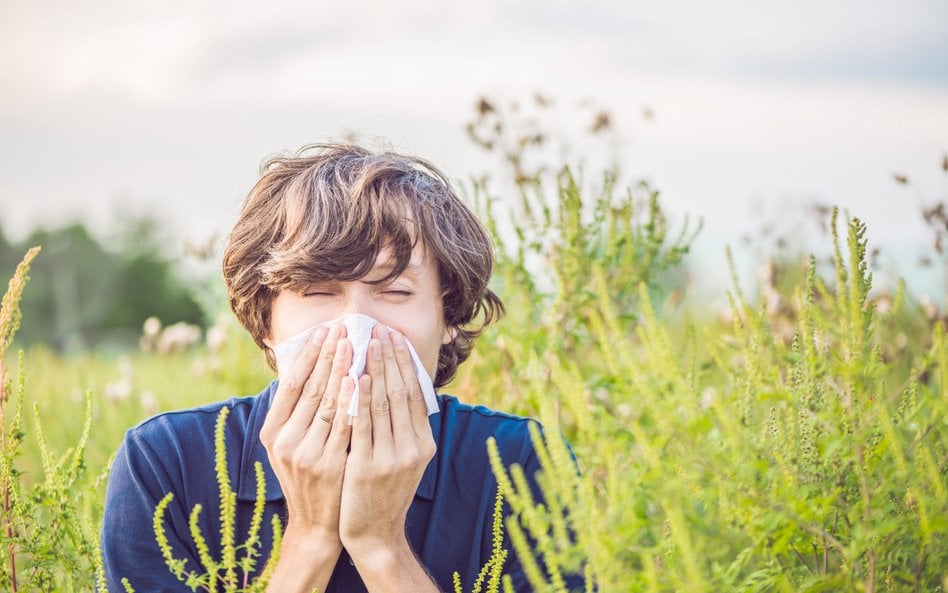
(84,295)
(71,288)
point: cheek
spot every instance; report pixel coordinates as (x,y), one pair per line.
(290,315)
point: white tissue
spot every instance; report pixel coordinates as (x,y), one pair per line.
(359,332)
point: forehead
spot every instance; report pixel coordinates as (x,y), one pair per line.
(418,266)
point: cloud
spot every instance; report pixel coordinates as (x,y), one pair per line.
(851,40)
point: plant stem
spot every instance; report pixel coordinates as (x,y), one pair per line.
(802,559)
(6,484)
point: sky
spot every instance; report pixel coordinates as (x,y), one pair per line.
(758,108)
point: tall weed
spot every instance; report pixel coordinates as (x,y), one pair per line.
(716,456)
(48,532)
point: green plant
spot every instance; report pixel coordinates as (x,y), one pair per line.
(729,458)
(228,569)
(48,527)
(490,577)
(549,265)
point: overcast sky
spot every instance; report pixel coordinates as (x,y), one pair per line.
(170,106)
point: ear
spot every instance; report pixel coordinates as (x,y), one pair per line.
(450,333)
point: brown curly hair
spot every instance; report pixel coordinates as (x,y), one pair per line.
(326,212)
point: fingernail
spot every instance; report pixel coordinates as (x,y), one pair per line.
(319,335)
(375,348)
(398,339)
(345,391)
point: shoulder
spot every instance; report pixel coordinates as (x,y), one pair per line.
(170,441)
(192,424)
(466,429)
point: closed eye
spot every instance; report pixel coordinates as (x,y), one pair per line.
(404,293)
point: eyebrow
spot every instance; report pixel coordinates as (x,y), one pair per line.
(381,273)
(413,268)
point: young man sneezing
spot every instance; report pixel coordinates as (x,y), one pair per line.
(363,278)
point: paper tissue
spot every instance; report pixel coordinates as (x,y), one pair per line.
(359,332)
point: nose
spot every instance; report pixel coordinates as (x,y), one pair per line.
(357,300)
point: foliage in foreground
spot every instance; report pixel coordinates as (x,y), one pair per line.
(228,569)
(732,456)
(49,528)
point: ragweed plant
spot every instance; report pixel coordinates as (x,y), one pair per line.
(227,570)
(726,458)
(547,268)
(490,578)
(48,526)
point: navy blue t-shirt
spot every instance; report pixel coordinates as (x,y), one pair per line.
(448,525)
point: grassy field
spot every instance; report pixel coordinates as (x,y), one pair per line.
(796,443)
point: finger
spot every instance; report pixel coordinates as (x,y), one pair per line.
(381,420)
(361,440)
(317,384)
(314,440)
(320,421)
(416,399)
(396,391)
(341,431)
(290,386)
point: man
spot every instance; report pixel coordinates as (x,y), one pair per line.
(374,496)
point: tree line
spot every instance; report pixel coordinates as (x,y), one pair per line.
(94,292)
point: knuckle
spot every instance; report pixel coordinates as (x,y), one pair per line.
(412,458)
(282,450)
(266,435)
(328,352)
(380,406)
(291,384)
(388,468)
(305,461)
(399,394)
(310,390)
(328,404)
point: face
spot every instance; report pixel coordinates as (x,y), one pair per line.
(410,304)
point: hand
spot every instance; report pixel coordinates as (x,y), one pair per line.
(306,433)
(391,445)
